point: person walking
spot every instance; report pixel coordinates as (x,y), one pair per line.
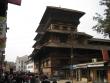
(46,80)
(37,79)
(54,81)
(33,79)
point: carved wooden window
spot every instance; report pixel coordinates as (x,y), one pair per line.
(64,27)
(63,38)
(55,26)
(47,63)
(69,28)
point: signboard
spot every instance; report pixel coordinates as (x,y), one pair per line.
(105,54)
(86,65)
(95,65)
(79,66)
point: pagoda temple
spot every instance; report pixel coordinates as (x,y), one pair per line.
(62,51)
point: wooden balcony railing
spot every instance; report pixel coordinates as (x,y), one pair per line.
(61,28)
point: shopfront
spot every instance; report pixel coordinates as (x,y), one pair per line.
(91,72)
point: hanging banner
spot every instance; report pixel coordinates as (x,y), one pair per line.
(16,2)
(105,54)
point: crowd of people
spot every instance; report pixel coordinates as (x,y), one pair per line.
(22,77)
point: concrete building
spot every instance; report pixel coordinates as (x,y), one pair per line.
(31,67)
(21,63)
(3,27)
(3,30)
(9,66)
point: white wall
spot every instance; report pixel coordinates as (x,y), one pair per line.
(31,67)
(21,63)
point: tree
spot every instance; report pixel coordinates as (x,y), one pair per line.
(103,25)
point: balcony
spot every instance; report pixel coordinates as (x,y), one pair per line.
(57,44)
(61,28)
(75,45)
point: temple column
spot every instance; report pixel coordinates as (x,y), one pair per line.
(88,76)
(93,75)
(76,75)
(79,74)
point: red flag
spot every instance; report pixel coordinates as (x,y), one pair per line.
(17,2)
(105,54)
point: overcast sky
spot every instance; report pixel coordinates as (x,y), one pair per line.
(23,21)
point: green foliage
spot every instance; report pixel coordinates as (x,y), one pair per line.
(2,45)
(2,18)
(103,25)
